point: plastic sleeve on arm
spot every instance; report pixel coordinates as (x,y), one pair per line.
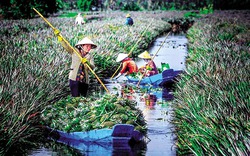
(67,47)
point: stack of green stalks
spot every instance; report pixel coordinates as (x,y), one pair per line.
(212,105)
(83,114)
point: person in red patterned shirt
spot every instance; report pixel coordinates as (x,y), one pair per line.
(128,65)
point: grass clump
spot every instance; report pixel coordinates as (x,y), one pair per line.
(212,100)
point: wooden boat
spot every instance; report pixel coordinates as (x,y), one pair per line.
(101,140)
(158,79)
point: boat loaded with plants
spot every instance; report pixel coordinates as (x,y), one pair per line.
(105,120)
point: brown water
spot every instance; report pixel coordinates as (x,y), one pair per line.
(160,140)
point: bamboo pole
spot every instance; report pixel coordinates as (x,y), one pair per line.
(153,58)
(133,47)
(71,48)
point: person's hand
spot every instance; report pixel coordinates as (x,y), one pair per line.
(59,38)
(116,77)
(56,32)
(148,68)
(147,74)
(84,60)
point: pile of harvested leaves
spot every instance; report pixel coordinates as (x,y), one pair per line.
(84,114)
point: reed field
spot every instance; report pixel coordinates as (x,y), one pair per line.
(212,98)
(212,103)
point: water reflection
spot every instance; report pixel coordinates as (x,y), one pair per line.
(173,52)
(153,101)
(160,139)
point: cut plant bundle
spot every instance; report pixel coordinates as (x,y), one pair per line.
(81,114)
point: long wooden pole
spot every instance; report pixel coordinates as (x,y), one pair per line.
(71,48)
(140,38)
(153,58)
(133,47)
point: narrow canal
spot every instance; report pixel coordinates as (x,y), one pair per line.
(160,140)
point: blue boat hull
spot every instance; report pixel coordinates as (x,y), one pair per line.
(102,140)
(158,79)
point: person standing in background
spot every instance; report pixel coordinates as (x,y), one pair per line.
(129,20)
(79,20)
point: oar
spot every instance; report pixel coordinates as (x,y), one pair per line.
(71,48)
(153,58)
(133,47)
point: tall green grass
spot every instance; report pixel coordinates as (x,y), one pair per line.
(212,105)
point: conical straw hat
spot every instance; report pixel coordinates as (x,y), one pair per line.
(86,40)
(145,55)
(121,57)
(128,15)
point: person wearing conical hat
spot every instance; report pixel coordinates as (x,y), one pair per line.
(79,20)
(149,68)
(128,65)
(129,20)
(79,72)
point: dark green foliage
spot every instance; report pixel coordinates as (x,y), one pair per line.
(16,9)
(132,6)
(191,14)
(85,5)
